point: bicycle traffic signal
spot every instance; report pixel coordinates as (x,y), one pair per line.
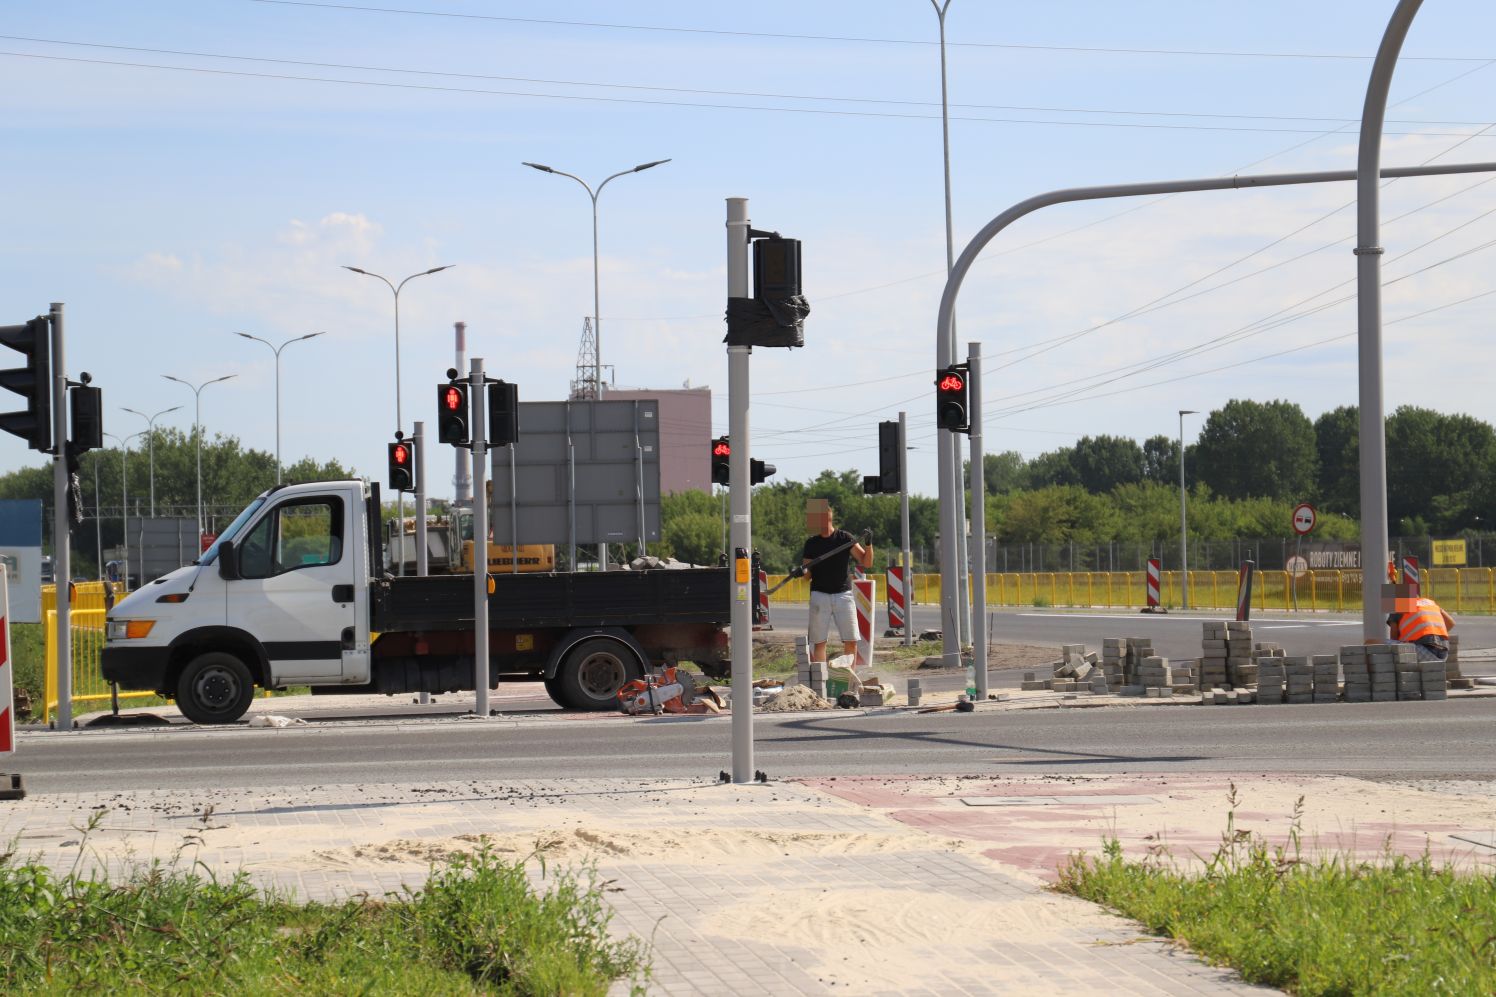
(721,458)
(758,471)
(32,382)
(402,466)
(452,414)
(951,399)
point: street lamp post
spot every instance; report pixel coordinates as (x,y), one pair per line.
(124,495)
(277,351)
(399,415)
(197,430)
(1184,560)
(597,334)
(597,331)
(150,421)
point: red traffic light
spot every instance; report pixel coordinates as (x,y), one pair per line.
(721,448)
(452,399)
(400,453)
(951,382)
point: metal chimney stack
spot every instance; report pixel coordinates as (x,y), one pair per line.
(462,480)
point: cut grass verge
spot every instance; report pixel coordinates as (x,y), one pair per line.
(476,927)
(1330,925)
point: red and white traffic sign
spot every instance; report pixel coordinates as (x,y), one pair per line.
(1304,518)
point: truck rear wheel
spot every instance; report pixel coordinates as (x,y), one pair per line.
(592,672)
(215,688)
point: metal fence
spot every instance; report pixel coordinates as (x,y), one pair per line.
(86,626)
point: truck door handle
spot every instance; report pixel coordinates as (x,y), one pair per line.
(342,593)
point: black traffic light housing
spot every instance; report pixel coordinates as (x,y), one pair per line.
(86,406)
(503,413)
(721,461)
(452,414)
(402,464)
(872,484)
(952,394)
(32,382)
(758,471)
(890,458)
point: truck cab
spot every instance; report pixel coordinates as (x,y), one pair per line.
(281,598)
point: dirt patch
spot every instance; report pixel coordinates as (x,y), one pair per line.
(796,698)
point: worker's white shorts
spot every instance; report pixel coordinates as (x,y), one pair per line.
(828,606)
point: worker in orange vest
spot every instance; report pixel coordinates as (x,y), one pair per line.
(1419,620)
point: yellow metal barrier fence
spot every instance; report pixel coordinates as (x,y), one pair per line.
(1458,590)
(87,629)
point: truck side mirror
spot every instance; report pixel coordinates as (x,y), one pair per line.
(228,560)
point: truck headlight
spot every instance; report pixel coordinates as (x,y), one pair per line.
(128,629)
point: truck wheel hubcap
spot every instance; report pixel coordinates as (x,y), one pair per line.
(601,675)
(216,688)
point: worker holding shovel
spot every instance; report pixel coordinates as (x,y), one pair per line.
(827,557)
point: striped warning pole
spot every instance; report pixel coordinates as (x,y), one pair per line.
(760,595)
(894,579)
(866,597)
(1410,574)
(1155,576)
(10,785)
(1244,590)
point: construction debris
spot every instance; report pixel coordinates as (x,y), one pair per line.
(796,698)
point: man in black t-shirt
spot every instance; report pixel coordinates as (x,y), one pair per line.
(830,588)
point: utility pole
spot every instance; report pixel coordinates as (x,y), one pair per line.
(477,394)
(978,525)
(740,497)
(904,552)
(1184,557)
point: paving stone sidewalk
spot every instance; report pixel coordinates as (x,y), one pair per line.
(778,889)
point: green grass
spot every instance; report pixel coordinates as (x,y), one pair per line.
(476,927)
(28,652)
(1324,926)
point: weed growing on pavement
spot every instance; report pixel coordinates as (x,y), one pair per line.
(1323,925)
(475,927)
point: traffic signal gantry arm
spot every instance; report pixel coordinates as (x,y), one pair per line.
(799,570)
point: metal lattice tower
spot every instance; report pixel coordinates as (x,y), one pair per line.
(585,385)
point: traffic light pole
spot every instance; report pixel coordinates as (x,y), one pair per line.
(62,569)
(478,428)
(742,503)
(421,556)
(905,557)
(978,524)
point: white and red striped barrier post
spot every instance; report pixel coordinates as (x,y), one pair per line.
(895,582)
(1410,574)
(1155,581)
(11,787)
(865,595)
(1244,590)
(761,610)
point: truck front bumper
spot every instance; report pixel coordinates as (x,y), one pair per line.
(134,668)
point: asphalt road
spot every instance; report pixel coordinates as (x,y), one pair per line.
(1452,739)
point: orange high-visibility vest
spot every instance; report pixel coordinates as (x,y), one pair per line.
(1428,621)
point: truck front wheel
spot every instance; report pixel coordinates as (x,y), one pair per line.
(591,674)
(215,688)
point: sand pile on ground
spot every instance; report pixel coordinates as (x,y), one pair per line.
(796,697)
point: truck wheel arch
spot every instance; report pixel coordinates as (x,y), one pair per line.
(574,637)
(230,640)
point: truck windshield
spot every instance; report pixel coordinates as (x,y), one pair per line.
(233,528)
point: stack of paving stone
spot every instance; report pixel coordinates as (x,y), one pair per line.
(1114,661)
(1156,678)
(1354,666)
(809,673)
(1452,666)
(1326,678)
(1225,646)
(1298,678)
(1270,676)
(1433,680)
(1381,662)
(1183,675)
(1409,677)
(1138,650)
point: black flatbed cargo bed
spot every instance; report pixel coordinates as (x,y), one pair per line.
(560,599)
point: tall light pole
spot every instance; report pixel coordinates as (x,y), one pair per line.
(597,333)
(150,421)
(277,351)
(124,495)
(197,431)
(399,415)
(1184,558)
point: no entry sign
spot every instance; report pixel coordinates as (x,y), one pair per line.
(1304,518)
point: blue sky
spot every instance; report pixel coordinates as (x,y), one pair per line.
(169,208)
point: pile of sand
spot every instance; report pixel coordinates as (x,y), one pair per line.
(796,697)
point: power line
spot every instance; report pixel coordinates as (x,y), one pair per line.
(702,105)
(861,39)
